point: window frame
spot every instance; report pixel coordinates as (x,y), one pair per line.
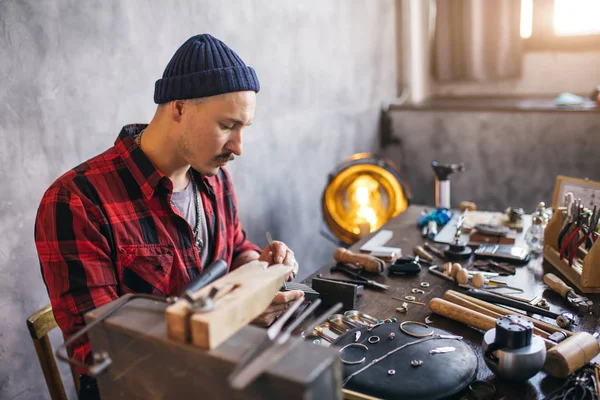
(543,37)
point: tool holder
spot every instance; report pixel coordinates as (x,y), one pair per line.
(587,280)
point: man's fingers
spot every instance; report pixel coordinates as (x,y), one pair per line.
(279,252)
(286,297)
(279,307)
(266,319)
(266,255)
(290,258)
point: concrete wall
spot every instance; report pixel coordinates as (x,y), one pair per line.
(74,72)
(511,158)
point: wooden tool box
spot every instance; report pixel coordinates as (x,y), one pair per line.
(586,278)
(146,364)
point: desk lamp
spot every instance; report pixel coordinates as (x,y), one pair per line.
(363,193)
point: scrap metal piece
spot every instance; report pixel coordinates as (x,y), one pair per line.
(416,363)
(442,350)
(403,308)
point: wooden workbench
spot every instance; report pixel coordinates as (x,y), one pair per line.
(528,277)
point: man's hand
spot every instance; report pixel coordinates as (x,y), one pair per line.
(280,254)
(281,302)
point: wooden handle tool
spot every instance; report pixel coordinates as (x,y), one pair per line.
(421,252)
(501,310)
(557,284)
(461,314)
(453,298)
(571,354)
(367,262)
(468,317)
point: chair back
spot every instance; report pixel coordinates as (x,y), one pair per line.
(40,323)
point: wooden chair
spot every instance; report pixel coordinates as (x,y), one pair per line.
(40,324)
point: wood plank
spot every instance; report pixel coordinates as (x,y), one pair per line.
(254,286)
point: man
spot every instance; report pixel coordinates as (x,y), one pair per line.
(149,213)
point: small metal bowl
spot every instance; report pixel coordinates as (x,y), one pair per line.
(321,331)
(342,324)
(361,318)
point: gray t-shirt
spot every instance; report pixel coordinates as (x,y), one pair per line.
(184,202)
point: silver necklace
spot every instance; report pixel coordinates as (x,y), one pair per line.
(375,361)
(196,230)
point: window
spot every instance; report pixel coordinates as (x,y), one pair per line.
(561,25)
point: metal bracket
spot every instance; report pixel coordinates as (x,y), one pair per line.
(101,360)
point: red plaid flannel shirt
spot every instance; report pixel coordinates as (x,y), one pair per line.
(107,228)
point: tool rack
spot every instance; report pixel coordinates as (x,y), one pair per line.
(585,275)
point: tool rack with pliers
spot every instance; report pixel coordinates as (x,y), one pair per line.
(580,228)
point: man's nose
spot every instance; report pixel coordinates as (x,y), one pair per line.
(235,143)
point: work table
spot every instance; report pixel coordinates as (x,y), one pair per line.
(380,304)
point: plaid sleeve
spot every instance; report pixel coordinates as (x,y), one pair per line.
(75,261)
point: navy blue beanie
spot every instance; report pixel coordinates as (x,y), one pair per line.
(204,66)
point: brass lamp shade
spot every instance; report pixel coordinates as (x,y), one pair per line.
(362,194)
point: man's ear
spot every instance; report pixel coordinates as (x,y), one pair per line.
(176,110)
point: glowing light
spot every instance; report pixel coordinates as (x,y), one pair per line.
(576,17)
(526,18)
(366,196)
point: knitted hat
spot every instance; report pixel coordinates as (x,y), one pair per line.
(204,66)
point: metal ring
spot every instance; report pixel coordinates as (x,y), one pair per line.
(410,298)
(419,335)
(362,346)
(424,284)
(391,371)
(374,339)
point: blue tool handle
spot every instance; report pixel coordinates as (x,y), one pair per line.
(210,274)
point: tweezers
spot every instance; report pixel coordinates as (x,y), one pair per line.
(272,348)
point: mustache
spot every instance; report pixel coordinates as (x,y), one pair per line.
(225,157)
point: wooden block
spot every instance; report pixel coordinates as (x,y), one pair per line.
(253,287)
